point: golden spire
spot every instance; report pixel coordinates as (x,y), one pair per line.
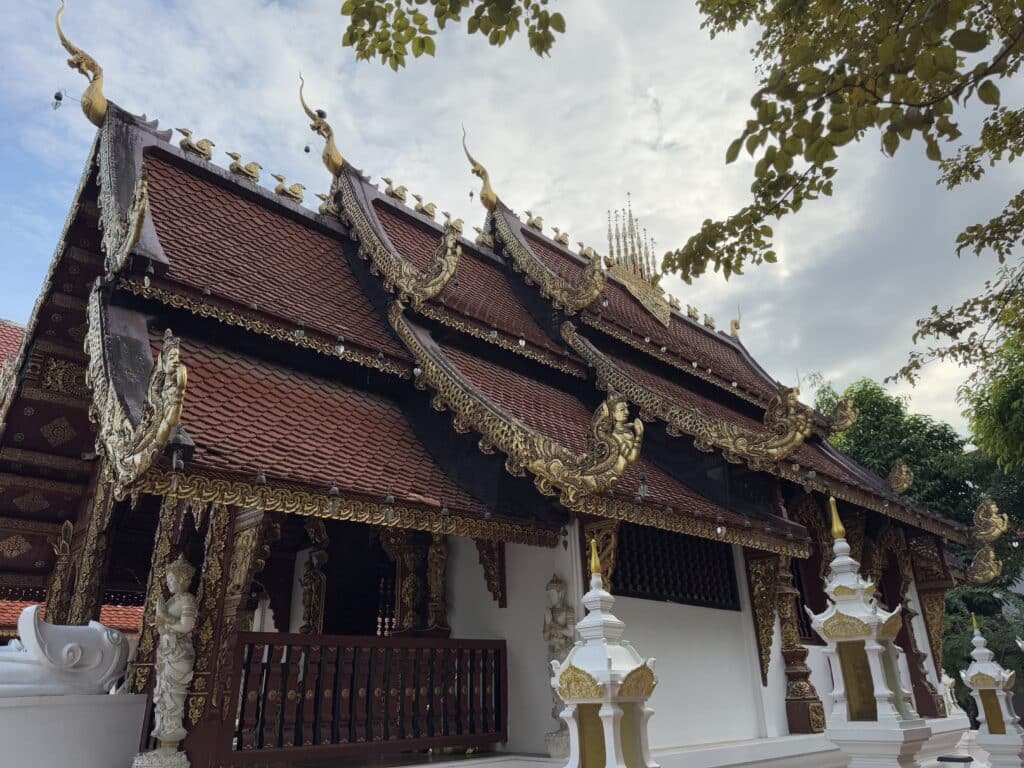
(838,531)
(487,195)
(595,561)
(974,621)
(94,103)
(331,156)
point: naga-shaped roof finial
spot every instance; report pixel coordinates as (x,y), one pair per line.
(487,195)
(331,156)
(94,103)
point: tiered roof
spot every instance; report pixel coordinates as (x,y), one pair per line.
(308,336)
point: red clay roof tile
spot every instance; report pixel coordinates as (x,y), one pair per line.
(250,254)
(247,415)
(126,618)
(11,335)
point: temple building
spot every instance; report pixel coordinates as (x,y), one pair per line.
(377,440)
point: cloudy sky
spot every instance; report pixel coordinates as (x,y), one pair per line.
(635,98)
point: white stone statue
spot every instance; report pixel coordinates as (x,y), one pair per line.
(559,633)
(175,655)
(48,660)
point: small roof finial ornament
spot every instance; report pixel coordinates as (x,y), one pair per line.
(202,148)
(94,103)
(331,156)
(595,559)
(488,197)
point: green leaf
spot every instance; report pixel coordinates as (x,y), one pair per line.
(989,93)
(969,40)
(557,22)
(891,142)
(429,47)
(770,257)
(734,150)
(887,51)
(347,7)
(417,47)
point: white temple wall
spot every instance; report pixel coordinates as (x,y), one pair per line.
(473,613)
(773,695)
(821,676)
(709,687)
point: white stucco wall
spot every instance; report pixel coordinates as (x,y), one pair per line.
(473,613)
(709,687)
(773,696)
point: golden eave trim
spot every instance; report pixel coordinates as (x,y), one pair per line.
(132,446)
(565,296)
(9,480)
(445,316)
(29,526)
(618,333)
(399,275)
(787,423)
(612,443)
(291,501)
(795,474)
(702,527)
(262,327)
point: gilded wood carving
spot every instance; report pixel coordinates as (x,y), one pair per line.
(788,423)
(639,683)
(763,575)
(613,443)
(399,275)
(574,685)
(989,526)
(492,560)
(132,448)
(94,103)
(564,295)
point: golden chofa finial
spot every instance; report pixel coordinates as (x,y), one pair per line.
(838,531)
(487,194)
(331,156)
(94,103)
(595,561)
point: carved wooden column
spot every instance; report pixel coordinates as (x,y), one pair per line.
(437,578)
(607,534)
(166,535)
(61,585)
(804,711)
(314,579)
(492,560)
(932,579)
(235,550)
(762,578)
(408,550)
(87,595)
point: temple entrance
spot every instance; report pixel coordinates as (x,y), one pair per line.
(360,593)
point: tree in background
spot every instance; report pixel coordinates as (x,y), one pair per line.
(949,479)
(831,72)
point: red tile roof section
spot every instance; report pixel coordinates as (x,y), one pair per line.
(561,417)
(126,618)
(11,335)
(484,292)
(247,415)
(685,338)
(248,253)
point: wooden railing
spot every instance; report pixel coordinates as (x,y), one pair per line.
(309,696)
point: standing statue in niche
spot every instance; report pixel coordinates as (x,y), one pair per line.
(559,633)
(175,655)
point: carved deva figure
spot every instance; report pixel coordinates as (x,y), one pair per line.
(559,631)
(175,655)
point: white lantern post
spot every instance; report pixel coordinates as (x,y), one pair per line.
(605,685)
(999,732)
(873,719)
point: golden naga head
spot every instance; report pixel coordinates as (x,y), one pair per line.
(331,156)
(94,103)
(487,194)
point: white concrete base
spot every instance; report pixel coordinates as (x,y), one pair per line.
(946,735)
(161,758)
(812,751)
(968,746)
(97,731)
(869,746)
(1005,751)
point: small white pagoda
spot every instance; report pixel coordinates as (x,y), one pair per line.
(605,685)
(999,731)
(873,719)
